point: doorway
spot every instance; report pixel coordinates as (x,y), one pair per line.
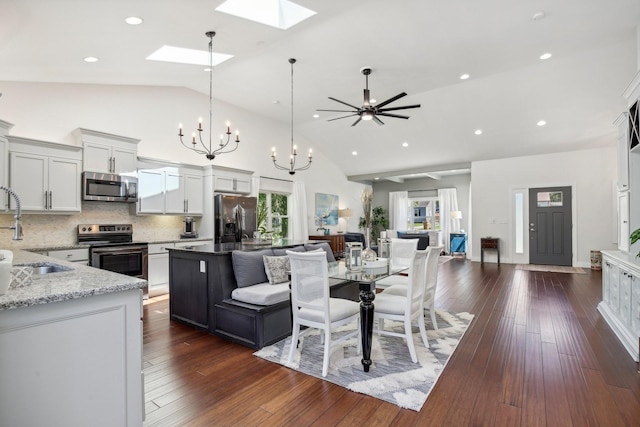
(550,227)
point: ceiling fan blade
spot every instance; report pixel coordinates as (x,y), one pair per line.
(390,100)
(343,117)
(404,107)
(342,102)
(397,116)
(357,121)
(377,120)
(339,111)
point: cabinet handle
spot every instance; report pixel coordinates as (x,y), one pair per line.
(50,200)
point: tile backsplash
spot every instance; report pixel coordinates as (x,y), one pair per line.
(50,230)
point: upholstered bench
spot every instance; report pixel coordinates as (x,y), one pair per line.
(253,307)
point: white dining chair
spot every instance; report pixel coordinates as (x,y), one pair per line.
(401,255)
(430,282)
(313,307)
(407,308)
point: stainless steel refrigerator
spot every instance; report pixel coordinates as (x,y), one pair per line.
(235,217)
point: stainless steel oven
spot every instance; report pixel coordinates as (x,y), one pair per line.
(111,247)
(131,259)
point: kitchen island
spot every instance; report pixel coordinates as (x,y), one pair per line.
(203,277)
(71,348)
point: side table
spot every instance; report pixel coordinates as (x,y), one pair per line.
(336,241)
(491,243)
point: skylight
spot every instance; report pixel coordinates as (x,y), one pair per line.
(187,56)
(282,14)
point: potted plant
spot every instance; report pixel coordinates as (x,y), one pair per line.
(635,236)
(377,221)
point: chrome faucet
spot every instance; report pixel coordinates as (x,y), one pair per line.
(16,227)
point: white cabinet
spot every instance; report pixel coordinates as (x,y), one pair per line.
(230,184)
(622,122)
(103,152)
(184,193)
(73,363)
(80,256)
(5,127)
(620,305)
(170,190)
(151,193)
(45,176)
(158,269)
(103,158)
(623,221)
(194,194)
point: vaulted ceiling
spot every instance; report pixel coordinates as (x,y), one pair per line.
(421,47)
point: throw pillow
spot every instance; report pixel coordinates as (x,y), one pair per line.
(248,267)
(277,268)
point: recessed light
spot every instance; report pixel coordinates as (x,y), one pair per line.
(91,59)
(541,123)
(275,101)
(373,101)
(478,132)
(544,56)
(315,116)
(133,20)
(464,76)
(376,178)
(354,153)
(405,144)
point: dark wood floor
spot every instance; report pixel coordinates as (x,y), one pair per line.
(537,354)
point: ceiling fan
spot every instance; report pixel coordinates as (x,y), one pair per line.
(369,111)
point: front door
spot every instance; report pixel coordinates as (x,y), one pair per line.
(550,226)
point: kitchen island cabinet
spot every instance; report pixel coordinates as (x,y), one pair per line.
(71,348)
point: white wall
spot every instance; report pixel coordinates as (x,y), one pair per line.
(591,173)
(52,111)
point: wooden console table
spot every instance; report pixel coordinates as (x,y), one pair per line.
(336,241)
(492,243)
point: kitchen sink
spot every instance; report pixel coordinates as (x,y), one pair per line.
(45,267)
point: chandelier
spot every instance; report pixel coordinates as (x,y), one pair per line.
(291,167)
(223,147)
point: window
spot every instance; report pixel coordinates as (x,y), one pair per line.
(273,214)
(519,222)
(426,213)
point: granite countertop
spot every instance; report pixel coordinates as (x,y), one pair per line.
(79,246)
(80,282)
(223,248)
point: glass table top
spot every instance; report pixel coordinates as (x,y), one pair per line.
(338,270)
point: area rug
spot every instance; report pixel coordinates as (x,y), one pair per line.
(392,376)
(551,268)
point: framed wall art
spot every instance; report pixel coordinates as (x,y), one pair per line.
(327,208)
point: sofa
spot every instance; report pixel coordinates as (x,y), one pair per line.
(251,303)
(423,237)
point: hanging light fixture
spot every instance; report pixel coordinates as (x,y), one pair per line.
(292,157)
(211,151)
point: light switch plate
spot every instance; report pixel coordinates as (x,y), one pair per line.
(203,267)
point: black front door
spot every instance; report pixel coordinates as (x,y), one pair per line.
(550,226)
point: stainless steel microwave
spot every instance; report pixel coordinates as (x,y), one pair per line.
(109,187)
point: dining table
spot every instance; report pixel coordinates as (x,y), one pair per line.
(366,277)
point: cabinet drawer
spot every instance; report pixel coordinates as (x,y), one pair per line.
(71,254)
